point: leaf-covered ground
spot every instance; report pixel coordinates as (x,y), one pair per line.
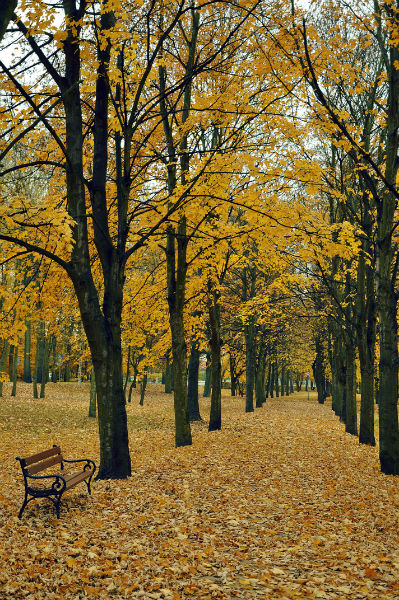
(279,504)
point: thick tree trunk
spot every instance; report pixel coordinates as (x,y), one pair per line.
(366,334)
(388,368)
(176,282)
(7,8)
(93,396)
(193,371)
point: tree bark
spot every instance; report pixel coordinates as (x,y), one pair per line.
(350,387)
(27,377)
(14,372)
(250,363)
(193,370)
(143,387)
(45,359)
(215,418)
(93,396)
(208,379)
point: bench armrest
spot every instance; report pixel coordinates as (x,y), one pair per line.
(58,485)
(90,464)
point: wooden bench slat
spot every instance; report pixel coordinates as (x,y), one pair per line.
(44,464)
(29,460)
(76,478)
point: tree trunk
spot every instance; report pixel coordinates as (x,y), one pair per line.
(54,376)
(287,382)
(366,334)
(318,369)
(127,370)
(250,363)
(143,386)
(132,386)
(11,361)
(193,370)
(38,355)
(215,417)
(3,362)
(272,379)
(260,376)
(168,376)
(208,379)
(351,408)
(233,383)
(7,8)
(27,377)
(176,283)
(276,384)
(93,396)
(14,372)
(45,358)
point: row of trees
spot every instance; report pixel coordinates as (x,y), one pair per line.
(218,176)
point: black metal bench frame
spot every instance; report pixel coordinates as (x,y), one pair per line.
(41,461)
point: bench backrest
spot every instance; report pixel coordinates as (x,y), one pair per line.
(41,461)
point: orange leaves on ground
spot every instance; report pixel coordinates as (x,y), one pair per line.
(279,504)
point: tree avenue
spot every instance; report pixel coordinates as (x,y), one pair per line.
(212,176)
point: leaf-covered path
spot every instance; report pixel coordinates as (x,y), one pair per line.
(279,504)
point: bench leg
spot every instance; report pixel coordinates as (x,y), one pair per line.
(87,482)
(56,504)
(25,502)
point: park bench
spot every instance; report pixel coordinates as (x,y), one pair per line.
(52,486)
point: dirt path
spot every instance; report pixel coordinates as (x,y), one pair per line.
(279,504)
